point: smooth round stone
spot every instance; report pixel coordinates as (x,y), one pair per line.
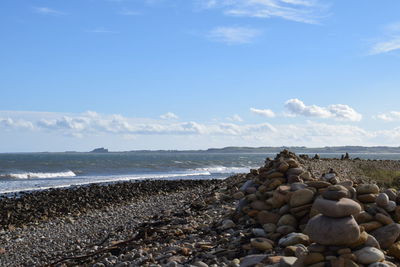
(259,232)
(287,261)
(287,219)
(382,200)
(372,242)
(313,258)
(369,255)
(383,219)
(259,205)
(335,192)
(227,224)
(285,229)
(294,171)
(363,217)
(392,193)
(238,195)
(318,184)
(294,239)
(297,186)
(367,198)
(269,227)
(367,189)
(301,197)
(379,264)
(333,231)
(265,217)
(391,206)
(387,235)
(261,243)
(342,208)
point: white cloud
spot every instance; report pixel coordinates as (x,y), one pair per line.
(390,40)
(389,116)
(169,116)
(9,123)
(233,35)
(263,112)
(306,11)
(235,117)
(336,111)
(47,11)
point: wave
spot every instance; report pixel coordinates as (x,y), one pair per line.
(30,175)
(223,169)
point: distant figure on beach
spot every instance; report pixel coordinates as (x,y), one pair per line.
(344,157)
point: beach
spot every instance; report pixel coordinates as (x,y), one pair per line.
(146,223)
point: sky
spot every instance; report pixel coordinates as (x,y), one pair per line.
(195,74)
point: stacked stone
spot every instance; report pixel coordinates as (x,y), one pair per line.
(285,209)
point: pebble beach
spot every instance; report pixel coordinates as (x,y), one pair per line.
(267,217)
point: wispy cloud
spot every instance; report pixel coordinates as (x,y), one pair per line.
(233,35)
(169,116)
(389,116)
(235,118)
(305,11)
(389,42)
(47,11)
(128,12)
(101,30)
(336,111)
(263,112)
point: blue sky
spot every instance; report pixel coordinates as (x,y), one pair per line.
(193,74)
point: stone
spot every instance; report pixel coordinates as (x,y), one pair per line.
(372,242)
(265,217)
(247,184)
(287,261)
(301,210)
(294,179)
(363,217)
(318,184)
(294,239)
(200,264)
(313,258)
(369,255)
(301,197)
(380,264)
(316,248)
(333,231)
(341,208)
(385,220)
(394,250)
(360,241)
(335,192)
(259,205)
(391,193)
(297,186)
(391,206)
(387,235)
(285,229)
(269,227)
(287,219)
(261,243)
(227,224)
(367,198)
(382,200)
(367,189)
(294,171)
(252,260)
(306,176)
(371,226)
(238,195)
(259,232)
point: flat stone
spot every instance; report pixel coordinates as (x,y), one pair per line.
(259,232)
(383,219)
(259,205)
(369,255)
(294,239)
(367,198)
(301,197)
(318,184)
(252,260)
(392,193)
(341,208)
(269,227)
(287,261)
(382,200)
(371,226)
(294,171)
(332,231)
(367,189)
(335,194)
(387,235)
(285,229)
(363,217)
(261,243)
(394,250)
(313,258)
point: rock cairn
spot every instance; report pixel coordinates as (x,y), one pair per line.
(300,220)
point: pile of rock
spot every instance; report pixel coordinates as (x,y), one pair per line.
(307,221)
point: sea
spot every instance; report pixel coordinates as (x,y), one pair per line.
(37,171)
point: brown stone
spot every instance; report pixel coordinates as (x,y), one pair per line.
(385,220)
(301,197)
(341,208)
(367,198)
(313,258)
(363,217)
(367,189)
(361,240)
(259,205)
(371,226)
(264,217)
(394,250)
(318,184)
(387,235)
(333,231)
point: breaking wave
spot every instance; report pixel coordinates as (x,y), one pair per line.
(31,175)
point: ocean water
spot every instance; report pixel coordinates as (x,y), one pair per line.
(33,171)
